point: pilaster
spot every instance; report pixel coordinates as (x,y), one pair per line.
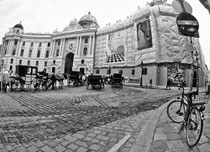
(90,46)
(93,46)
(80,43)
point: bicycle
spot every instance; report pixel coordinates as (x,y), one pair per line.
(177,107)
(192,114)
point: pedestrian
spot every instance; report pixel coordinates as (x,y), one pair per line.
(168,84)
(150,83)
(5,80)
(53,79)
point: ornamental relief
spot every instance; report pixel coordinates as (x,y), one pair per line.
(70,45)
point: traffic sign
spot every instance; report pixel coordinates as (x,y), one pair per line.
(187,24)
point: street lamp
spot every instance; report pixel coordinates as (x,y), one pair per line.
(109,70)
(194,66)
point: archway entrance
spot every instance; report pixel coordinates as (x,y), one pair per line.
(69,63)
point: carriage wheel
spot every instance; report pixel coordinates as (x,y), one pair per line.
(35,84)
(44,87)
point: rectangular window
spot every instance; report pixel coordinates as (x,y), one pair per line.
(47,54)
(16,41)
(45,63)
(48,44)
(23,43)
(13,51)
(38,53)
(59,42)
(121,71)
(29,62)
(133,72)
(21,52)
(30,53)
(97,71)
(37,63)
(20,62)
(107,71)
(53,69)
(11,61)
(32,44)
(86,40)
(144,71)
(40,44)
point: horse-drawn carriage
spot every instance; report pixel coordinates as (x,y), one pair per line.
(24,76)
(76,78)
(117,80)
(96,81)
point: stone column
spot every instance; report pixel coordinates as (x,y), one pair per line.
(80,43)
(18,48)
(76,48)
(10,47)
(93,46)
(54,48)
(62,47)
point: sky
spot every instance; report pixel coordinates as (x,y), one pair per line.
(44,16)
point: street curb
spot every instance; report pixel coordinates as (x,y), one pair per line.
(145,137)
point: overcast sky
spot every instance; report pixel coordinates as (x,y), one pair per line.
(47,15)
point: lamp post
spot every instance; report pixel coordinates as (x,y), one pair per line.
(194,66)
(141,78)
(109,69)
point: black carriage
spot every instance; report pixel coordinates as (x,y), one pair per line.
(75,78)
(96,81)
(24,76)
(117,80)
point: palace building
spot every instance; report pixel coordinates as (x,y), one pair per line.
(146,46)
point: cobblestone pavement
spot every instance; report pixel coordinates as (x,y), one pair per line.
(75,119)
(167,139)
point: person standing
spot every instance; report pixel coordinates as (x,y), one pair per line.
(53,79)
(168,84)
(5,80)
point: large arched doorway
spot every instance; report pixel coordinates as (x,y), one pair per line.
(69,63)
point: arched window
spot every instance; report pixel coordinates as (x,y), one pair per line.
(38,53)
(30,53)
(47,54)
(85,51)
(57,52)
(13,51)
(21,52)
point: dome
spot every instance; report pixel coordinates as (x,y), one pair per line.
(88,20)
(18,26)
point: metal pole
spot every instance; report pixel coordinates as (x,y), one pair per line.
(141,74)
(192,68)
(182,5)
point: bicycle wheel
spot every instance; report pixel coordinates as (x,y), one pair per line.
(194,127)
(176,110)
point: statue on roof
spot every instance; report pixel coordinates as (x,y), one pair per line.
(156,2)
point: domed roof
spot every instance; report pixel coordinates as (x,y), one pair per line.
(88,20)
(18,26)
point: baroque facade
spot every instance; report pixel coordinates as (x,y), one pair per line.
(60,52)
(146,46)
